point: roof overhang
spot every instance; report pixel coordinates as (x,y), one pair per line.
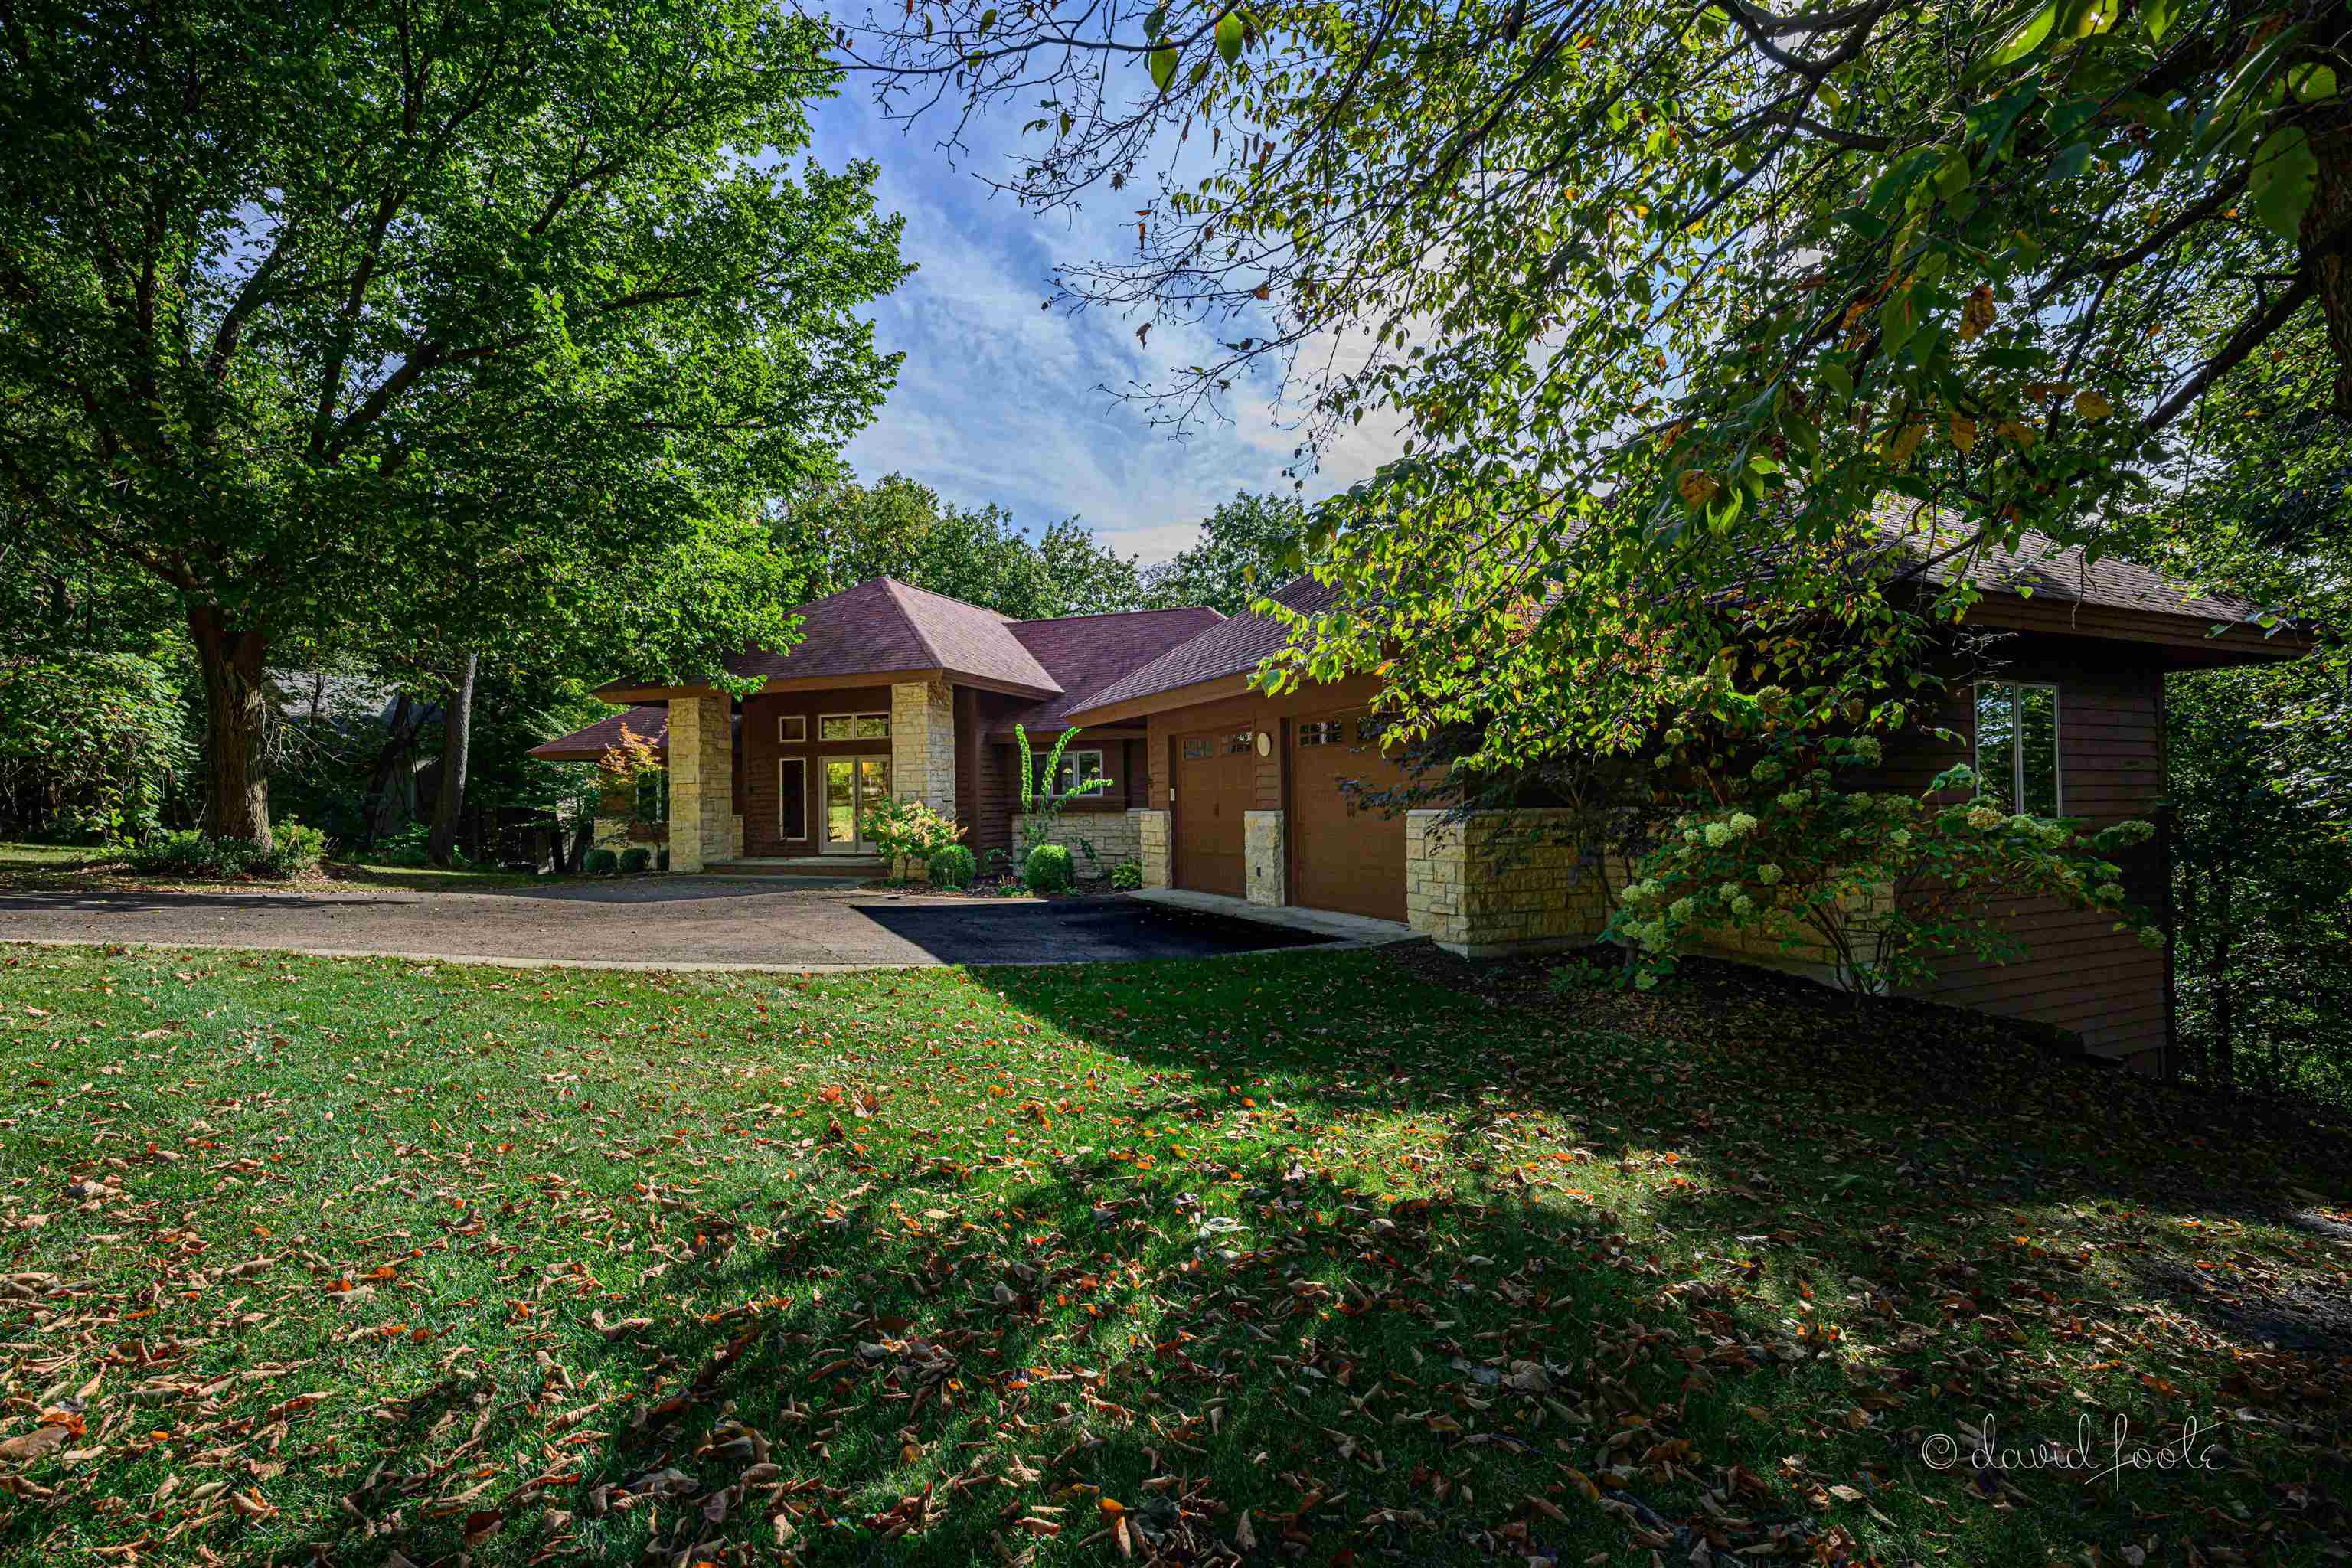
(621,695)
(1223,686)
(2187,642)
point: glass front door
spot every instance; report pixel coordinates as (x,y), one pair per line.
(853,786)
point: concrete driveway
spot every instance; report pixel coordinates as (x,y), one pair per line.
(670,924)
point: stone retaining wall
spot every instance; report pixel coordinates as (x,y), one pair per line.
(1497,882)
(1262,855)
(1117,835)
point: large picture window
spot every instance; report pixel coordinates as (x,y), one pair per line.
(653,795)
(2017,746)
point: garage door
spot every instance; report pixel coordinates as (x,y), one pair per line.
(1345,855)
(1216,782)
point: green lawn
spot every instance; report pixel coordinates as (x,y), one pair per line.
(358,1257)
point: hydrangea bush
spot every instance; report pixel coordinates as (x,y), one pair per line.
(909,830)
(1882,885)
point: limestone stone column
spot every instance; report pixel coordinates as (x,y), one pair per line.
(701,783)
(922,744)
(1151,838)
(1262,854)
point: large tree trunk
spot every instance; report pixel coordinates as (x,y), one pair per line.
(456,739)
(236,715)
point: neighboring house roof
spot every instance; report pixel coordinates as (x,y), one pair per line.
(1231,647)
(1087,653)
(589,745)
(883,627)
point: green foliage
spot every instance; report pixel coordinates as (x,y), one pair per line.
(458,317)
(1663,300)
(406,847)
(293,851)
(87,740)
(1048,869)
(909,830)
(635,858)
(898,528)
(1041,802)
(952,866)
(2261,770)
(1879,885)
(1127,876)
(1248,547)
(602,862)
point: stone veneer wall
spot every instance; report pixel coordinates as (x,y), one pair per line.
(1495,882)
(922,744)
(1262,856)
(1117,835)
(701,783)
(1151,834)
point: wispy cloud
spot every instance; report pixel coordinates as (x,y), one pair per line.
(1001,401)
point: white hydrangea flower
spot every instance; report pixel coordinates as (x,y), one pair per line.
(1719,834)
(1983,816)
(1768,873)
(1900,838)
(1791,800)
(1742,823)
(1743,905)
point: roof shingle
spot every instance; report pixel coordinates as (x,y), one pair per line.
(882,625)
(1228,648)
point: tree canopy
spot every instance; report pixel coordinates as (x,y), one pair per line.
(1248,547)
(321,316)
(1672,295)
(898,528)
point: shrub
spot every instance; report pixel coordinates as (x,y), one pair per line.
(409,847)
(953,867)
(1127,876)
(1047,869)
(602,862)
(909,830)
(1887,884)
(635,858)
(294,849)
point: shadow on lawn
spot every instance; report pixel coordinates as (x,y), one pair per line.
(1859,1253)
(918,1396)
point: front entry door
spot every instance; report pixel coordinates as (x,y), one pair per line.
(853,786)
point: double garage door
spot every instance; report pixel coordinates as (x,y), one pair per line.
(1344,854)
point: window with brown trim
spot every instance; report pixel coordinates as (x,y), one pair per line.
(789,827)
(1240,740)
(854,727)
(1320,732)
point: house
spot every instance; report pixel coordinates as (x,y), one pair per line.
(1218,788)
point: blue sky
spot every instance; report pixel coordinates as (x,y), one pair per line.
(1000,401)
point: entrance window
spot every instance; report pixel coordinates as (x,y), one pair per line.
(2017,746)
(853,787)
(854,727)
(653,795)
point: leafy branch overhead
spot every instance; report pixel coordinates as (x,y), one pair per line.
(1657,294)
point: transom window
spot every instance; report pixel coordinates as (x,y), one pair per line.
(1077,767)
(1322,733)
(2017,745)
(854,727)
(1197,748)
(1240,741)
(792,727)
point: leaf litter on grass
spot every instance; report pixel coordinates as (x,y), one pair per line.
(1297,1259)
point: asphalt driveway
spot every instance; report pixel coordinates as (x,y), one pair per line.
(682,923)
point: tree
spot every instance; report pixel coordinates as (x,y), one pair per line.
(1248,547)
(302,309)
(1668,294)
(898,528)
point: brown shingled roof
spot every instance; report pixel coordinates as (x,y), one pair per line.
(1229,647)
(883,626)
(590,743)
(1087,653)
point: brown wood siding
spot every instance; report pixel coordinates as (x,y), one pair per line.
(1257,713)
(761,749)
(2076,972)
